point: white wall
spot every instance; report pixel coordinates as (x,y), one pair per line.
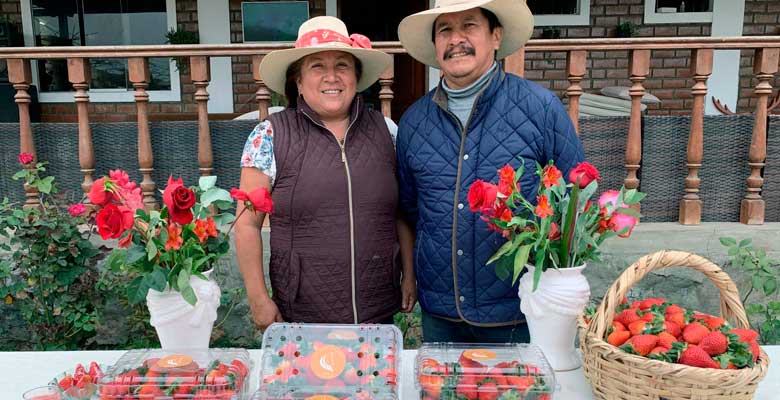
(727,20)
(214,28)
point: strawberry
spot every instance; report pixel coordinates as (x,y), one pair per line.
(466,389)
(470,366)
(715,322)
(666,340)
(641,344)
(617,338)
(695,332)
(497,375)
(658,350)
(672,328)
(617,326)
(695,356)
(432,384)
(754,349)
(674,309)
(637,327)
(714,343)
(649,302)
(677,318)
(488,391)
(627,316)
(649,317)
(745,335)
(521,383)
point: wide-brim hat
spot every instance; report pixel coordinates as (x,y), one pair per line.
(323,34)
(414,31)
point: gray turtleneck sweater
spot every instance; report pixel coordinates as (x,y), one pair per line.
(461,101)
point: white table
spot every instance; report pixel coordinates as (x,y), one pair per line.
(20,371)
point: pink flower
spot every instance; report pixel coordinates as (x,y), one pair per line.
(25,158)
(610,196)
(620,222)
(77,209)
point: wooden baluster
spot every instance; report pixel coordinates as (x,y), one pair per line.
(639,68)
(575,64)
(386,91)
(690,205)
(20,76)
(79,77)
(263,95)
(764,67)
(138,71)
(201,75)
(515,62)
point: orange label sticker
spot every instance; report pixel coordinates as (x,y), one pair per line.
(479,354)
(322,397)
(328,362)
(342,335)
(174,361)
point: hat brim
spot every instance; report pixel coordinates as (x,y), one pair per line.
(414,31)
(273,68)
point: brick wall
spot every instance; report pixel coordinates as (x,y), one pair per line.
(244,87)
(761,18)
(669,74)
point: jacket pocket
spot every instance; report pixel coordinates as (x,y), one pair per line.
(284,272)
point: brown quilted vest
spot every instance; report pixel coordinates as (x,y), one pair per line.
(311,252)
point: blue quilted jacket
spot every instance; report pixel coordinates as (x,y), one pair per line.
(438,160)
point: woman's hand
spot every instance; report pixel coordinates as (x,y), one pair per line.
(408,293)
(264,313)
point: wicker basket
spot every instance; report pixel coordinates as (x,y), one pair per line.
(615,374)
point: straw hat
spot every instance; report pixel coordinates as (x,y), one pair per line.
(514,15)
(323,34)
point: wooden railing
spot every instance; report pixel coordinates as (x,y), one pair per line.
(765,65)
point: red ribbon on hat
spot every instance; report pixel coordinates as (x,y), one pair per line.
(320,36)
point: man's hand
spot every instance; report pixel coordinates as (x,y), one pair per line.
(264,313)
(408,293)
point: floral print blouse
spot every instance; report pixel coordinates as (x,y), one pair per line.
(259,148)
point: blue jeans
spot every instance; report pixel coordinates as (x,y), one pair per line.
(437,329)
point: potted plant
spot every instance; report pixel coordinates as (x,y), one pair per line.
(552,236)
(174,36)
(625,29)
(172,251)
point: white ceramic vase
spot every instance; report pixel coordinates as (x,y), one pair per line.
(552,310)
(179,324)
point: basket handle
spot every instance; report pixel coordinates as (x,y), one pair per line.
(731,307)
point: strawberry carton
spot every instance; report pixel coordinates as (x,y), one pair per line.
(483,371)
(155,374)
(330,362)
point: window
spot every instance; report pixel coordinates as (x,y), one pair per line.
(678,11)
(560,12)
(101,23)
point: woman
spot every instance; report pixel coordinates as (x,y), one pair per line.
(330,164)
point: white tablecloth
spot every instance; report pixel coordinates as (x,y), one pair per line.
(20,371)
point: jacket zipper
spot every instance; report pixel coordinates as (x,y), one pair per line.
(342,146)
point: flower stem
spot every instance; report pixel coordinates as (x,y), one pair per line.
(235,220)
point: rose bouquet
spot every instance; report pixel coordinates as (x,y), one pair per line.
(166,247)
(563,229)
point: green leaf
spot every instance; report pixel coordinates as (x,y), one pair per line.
(770,286)
(745,242)
(151,251)
(19,175)
(134,254)
(537,276)
(633,196)
(157,280)
(628,211)
(116,259)
(213,195)
(185,288)
(521,258)
(728,242)
(207,182)
(45,185)
(505,248)
(137,290)
(757,282)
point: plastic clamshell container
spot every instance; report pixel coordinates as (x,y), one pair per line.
(155,374)
(476,371)
(330,362)
(74,387)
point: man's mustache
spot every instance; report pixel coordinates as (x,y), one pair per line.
(459,49)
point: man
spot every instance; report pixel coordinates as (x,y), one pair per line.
(477,120)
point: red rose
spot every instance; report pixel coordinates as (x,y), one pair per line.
(585,172)
(261,200)
(77,209)
(98,195)
(482,196)
(25,158)
(239,194)
(112,221)
(179,201)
